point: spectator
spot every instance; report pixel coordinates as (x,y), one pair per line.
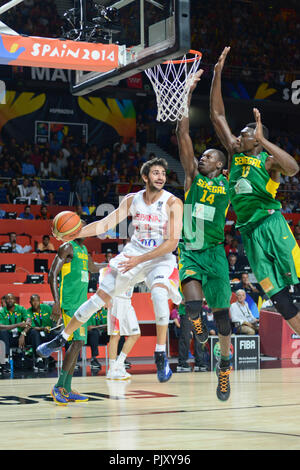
(45,168)
(233,267)
(51,199)
(241,316)
(37,193)
(286,208)
(62,162)
(232,247)
(36,158)
(83,190)
(25,188)
(41,324)
(100,184)
(97,335)
(254,290)
(46,246)
(15,323)
(15,248)
(26,214)
(6,171)
(56,171)
(43,215)
(13,191)
(28,168)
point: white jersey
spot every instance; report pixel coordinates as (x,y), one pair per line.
(150,221)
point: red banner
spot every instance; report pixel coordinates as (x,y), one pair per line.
(136,81)
(56,53)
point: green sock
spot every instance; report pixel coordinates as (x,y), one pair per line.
(61,379)
(68,382)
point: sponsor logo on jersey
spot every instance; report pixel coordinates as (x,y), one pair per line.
(150,242)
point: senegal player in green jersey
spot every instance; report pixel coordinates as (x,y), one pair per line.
(72,264)
(255,167)
(203,267)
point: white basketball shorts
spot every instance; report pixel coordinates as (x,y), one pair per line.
(121,318)
(162,270)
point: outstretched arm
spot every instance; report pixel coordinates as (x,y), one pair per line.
(186,150)
(109,222)
(279,160)
(217,109)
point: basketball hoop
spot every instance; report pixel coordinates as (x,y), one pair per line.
(171,82)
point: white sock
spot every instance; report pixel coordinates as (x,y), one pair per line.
(65,335)
(121,358)
(111,363)
(160,348)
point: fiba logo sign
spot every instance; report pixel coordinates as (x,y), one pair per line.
(247,344)
(2,92)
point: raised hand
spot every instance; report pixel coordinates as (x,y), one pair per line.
(220,64)
(194,79)
(258,133)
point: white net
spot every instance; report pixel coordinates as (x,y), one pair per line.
(171,82)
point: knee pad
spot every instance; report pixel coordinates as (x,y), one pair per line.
(193,309)
(284,304)
(91,306)
(160,300)
(223,322)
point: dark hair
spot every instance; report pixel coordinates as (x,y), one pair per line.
(221,157)
(145,170)
(252,125)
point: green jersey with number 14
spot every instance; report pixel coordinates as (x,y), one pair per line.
(205,208)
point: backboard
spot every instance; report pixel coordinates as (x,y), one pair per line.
(147,33)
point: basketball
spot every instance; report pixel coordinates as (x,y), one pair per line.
(66,225)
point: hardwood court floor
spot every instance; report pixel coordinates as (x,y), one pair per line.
(184,413)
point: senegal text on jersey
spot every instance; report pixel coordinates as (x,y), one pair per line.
(210,187)
(243,160)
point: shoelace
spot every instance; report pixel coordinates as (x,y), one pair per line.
(198,326)
(63,392)
(224,379)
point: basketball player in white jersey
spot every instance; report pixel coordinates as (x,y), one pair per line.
(121,321)
(157,220)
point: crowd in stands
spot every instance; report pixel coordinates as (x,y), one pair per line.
(264,36)
(34,18)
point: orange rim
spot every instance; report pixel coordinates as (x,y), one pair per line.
(198,56)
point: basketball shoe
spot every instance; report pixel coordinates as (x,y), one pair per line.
(223,388)
(75,397)
(164,372)
(46,349)
(118,372)
(200,329)
(59,395)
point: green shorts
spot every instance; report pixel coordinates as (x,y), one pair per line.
(210,268)
(81,333)
(273,254)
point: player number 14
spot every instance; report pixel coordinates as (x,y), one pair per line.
(205,198)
